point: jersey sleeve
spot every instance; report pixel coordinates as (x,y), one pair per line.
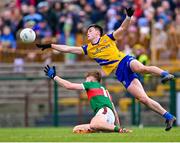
(86,85)
(83,86)
(111,36)
(84,49)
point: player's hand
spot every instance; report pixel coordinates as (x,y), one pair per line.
(50,71)
(43,46)
(130,11)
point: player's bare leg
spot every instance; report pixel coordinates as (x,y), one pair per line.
(82,129)
(136,89)
(138,67)
(99,123)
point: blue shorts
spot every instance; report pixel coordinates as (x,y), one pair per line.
(124,73)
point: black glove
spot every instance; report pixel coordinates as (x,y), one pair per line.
(50,71)
(130,11)
(43,46)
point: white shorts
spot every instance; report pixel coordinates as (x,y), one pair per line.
(108,114)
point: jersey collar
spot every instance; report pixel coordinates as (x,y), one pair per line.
(97,42)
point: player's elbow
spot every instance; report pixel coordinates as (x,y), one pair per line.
(75,51)
(67,86)
(118,33)
(70,86)
(122,30)
(66,50)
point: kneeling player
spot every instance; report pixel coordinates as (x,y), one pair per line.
(106,118)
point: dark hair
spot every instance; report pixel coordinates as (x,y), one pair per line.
(96,74)
(97,27)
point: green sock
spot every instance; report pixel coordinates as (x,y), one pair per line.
(116,129)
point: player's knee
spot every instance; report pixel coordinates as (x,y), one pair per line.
(94,125)
(143,100)
(140,69)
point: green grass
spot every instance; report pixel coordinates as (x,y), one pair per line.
(61,134)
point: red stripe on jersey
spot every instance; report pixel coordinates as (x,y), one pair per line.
(94,92)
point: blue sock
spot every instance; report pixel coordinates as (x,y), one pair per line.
(167,116)
(164,73)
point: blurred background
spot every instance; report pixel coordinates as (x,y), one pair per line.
(29,99)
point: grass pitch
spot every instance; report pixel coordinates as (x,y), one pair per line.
(62,134)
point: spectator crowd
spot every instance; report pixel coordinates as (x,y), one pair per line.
(155,25)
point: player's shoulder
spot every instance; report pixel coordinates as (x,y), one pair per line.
(85,48)
(96,84)
(108,37)
(111,36)
(87,85)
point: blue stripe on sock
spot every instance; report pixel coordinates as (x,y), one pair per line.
(167,116)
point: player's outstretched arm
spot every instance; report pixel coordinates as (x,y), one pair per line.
(51,73)
(61,48)
(124,26)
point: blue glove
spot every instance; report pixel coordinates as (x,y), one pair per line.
(50,72)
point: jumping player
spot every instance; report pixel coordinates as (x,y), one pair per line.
(106,118)
(103,50)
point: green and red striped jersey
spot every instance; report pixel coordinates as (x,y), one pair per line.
(97,95)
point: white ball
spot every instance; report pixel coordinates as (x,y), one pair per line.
(27,35)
